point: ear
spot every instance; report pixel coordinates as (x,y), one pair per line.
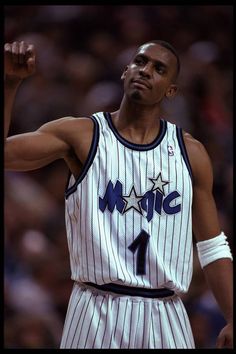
(172,90)
(124,73)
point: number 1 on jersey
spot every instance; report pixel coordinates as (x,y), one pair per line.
(140,245)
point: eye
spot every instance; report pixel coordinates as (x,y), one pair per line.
(139,61)
(160,69)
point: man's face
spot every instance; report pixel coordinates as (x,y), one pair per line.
(149,77)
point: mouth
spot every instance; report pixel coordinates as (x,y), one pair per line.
(141,83)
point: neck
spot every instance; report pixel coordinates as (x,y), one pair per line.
(137,123)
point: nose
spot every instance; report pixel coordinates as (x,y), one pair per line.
(146,70)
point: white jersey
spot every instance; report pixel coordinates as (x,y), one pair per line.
(128,221)
(128,215)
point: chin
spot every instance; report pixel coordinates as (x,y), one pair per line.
(135,95)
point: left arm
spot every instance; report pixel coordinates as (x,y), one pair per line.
(218,273)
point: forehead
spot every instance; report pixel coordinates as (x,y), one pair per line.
(156,52)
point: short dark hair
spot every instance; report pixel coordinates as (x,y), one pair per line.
(168,46)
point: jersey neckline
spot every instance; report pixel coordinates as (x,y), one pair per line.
(133,146)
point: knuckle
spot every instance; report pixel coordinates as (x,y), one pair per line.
(30,48)
(7,47)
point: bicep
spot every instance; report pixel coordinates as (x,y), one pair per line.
(204,214)
(30,151)
(204,211)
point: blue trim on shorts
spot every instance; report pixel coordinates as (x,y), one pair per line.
(133,291)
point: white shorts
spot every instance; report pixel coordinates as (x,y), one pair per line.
(101,320)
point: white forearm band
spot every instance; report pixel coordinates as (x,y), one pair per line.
(212,249)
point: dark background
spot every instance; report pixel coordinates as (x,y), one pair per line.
(81,52)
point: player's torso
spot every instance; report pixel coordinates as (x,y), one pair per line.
(129,218)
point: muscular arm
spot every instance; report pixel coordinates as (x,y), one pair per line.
(68,138)
(19,63)
(205,217)
(219,274)
(30,151)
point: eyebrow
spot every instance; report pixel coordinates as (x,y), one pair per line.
(158,62)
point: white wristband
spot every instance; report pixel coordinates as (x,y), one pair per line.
(212,249)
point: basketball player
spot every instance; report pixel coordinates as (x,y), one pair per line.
(139,188)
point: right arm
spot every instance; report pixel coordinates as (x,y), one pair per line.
(54,140)
(31,150)
(19,63)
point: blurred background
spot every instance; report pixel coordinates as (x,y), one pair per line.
(81,53)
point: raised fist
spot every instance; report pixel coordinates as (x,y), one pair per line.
(19,60)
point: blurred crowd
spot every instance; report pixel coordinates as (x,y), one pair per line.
(81,52)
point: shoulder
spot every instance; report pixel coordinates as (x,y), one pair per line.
(193,145)
(76,132)
(70,122)
(198,157)
(69,125)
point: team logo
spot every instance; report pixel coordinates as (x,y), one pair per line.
(170,150)
(155,199)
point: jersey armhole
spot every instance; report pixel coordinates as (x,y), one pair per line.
(179,133)
(88,162)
